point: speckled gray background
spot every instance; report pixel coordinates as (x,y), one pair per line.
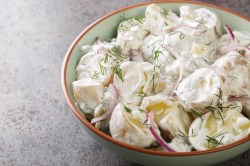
(36,125)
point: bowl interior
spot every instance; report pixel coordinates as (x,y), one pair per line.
(105,28)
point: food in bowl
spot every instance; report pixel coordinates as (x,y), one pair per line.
(168,82)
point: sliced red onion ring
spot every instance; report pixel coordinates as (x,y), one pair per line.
(159,139)
(230,32)
(236,47)
(240,99)
(170,29)
(110,106)
(173,51)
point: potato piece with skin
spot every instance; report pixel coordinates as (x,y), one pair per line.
(138,79)
(88,94)
(88,67)
(200,89)
(234,69)
(157,18)
(169,115)
(99,62)
(126,127)
(179,145)
(131,34)
(233,127)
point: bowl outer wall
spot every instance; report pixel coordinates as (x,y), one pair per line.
(234,21)
(156,160)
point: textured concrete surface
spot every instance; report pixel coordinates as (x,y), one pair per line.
(36,125)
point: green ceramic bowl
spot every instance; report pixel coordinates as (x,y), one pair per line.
(105,28)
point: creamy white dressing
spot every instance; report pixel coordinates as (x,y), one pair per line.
(233,127)
(199,90)
(181,67)
(128,128)
(168,114)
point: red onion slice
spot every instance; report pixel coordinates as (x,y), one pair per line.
(230,32)
(236,47)
(173,51)
(170,29)
(110,106)
(159,139)
(240,99)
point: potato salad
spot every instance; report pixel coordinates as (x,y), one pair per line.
(169,82)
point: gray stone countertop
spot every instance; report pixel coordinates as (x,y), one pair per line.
(36,125)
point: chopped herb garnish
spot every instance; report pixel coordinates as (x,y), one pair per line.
(180,133)
(103,69)
(142,94)
(154,77)
(200,21)
(116,53)
(141,110)
(181,36)
(127,109)
(95,75)
(219,106)
(117,70)
(157,53)
(213,142)
(133,21)
(165,12)
(87,108)
(183,136)
(196,114)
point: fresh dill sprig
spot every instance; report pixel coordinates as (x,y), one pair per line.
(196,114)
(103,69)
(180,133)
(87,108)
(181,34)
(154,77)
(142,94)
(116,53)
(117,70)
(137,18)
(183,136)
(219,106)
(141,110)
(165,12)
(133,21)
(95,75)
(127,109)
(200,21)
(157,53)
(213,142)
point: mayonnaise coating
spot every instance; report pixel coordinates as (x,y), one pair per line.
(131,34)
(181,66)
(169,115)
(88,94)
(179,145)
(128,128)
(234,70)
(226,128)
(138,79)
(199,90)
